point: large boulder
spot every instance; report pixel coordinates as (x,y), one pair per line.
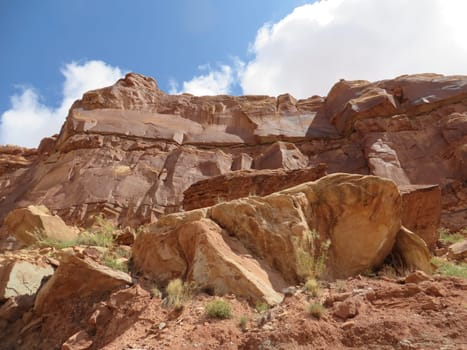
(421,211)
(458,251)
(29,225)
(20,277)
(254,246)
(78,277)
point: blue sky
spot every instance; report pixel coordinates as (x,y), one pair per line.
(163,39)
(52,51)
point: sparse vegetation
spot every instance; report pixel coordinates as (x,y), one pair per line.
(115,262)
(316,310)
(155,292)
(388,271)
(261,307)
(55,243)
(311,258)
(242,322)
(101,234)
(450,268)
(449,238)
(218,308)
(178,292)
(312,286)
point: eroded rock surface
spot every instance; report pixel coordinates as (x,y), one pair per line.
(31,224)
(131,151)
(254,246)
(244,183)
(77,277)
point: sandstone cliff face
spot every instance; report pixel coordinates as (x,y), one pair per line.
(131,151)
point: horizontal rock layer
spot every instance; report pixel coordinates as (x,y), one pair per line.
(131,151)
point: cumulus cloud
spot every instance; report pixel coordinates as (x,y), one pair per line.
(319,43)
(29,120)
(216,81)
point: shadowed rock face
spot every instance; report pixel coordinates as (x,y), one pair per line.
(130,150)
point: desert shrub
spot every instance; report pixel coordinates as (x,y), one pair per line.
(242,322)
(55,243)
(218,309)
(114,261)
(316,310)
(261,307)
(101,234)
(449,268)
(178,292)
(312,286)
(312,257)
(449,238)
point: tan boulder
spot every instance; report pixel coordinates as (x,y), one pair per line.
(458,251)
(413,251)
(21,277)
(33,223)
(78,277)
(202,252)
(262,241)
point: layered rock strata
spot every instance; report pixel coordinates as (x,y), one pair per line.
(130,150)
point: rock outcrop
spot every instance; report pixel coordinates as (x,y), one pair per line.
(130,150)
(31,224)
(244,183)
(77,277)
(21,277)
(255,246)
(421,211)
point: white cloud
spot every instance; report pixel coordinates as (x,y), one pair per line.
(306,52)
(214,82)
(29,120)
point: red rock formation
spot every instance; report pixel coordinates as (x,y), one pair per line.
(243,183)
(130,150)
(421,209)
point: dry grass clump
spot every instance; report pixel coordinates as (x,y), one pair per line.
(218,308)
(178,293)
(316,310)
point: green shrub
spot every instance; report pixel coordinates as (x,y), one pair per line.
(316,310)
(115,262)
(218,309)
(449,238)
(55,243)
(261,307)
(242,322)
(449,268)
(312,286)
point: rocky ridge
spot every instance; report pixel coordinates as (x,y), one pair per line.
(237,204)
(131,151)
